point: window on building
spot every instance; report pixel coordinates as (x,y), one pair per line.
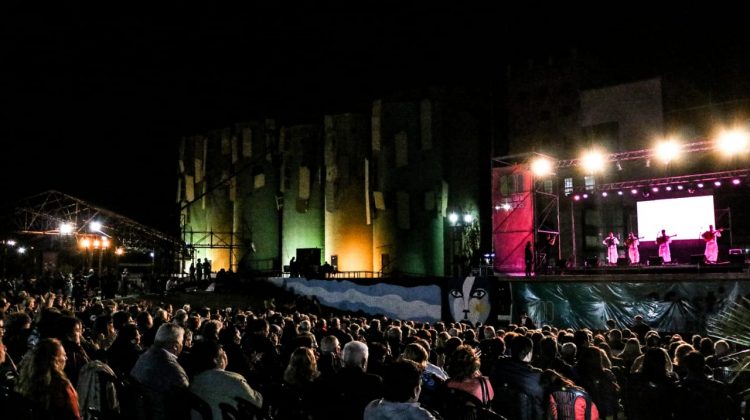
(568,186)
(548,186)
(589,182)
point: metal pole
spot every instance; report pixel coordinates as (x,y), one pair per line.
(573,233)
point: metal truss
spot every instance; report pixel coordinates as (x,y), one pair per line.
(700,146)
(43,214)
(687,180)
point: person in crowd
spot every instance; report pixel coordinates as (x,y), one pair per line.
(463,370)
(652,389)
(700,397)
(159,373)
(402,387)
(599,381)
(352,388)
(125,350)
(214,384)
(42,381)
(70,330)
(329,361)
(517,374)
(566,399)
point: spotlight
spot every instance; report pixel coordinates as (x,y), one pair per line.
(736,181)
(669,188)
(680,187)
(645,193)
(506,206)
(733,142)
(700,185)
(453,218)
(498,207)
(666,151)
(634,191)
(619,192)
(592,161)
(541,167)
(576,197)
(691,189)
(717,183)
(585,196)
(604,194)
(655,189)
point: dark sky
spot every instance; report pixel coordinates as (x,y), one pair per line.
(95,100)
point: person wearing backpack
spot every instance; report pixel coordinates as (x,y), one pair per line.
(566,401)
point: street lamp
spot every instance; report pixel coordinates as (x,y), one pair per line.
(458,224)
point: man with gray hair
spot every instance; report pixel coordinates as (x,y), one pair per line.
(352,387)
(159,373)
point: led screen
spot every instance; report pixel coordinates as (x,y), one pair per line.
(685,217)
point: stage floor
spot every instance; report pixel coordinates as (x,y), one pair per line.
(669,272)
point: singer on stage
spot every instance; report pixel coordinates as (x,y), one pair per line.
(611,242)
(632,243)
(663,241)
(712,248)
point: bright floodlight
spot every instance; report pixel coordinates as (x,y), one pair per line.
(667,151)
(506,206)
(11,242)
(541,167)
(66,228)
(604,194)
(733,142)
(95,226)
(736,181)
(453,218)
(119,251)
(21,250)
(592,161)
(468,218)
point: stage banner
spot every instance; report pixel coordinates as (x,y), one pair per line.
(513,216)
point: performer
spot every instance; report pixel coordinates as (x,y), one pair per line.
(611,243)
(712,248)
(528,258)
(632,243)
(663,241)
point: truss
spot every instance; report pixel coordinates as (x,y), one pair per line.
(43,214)
(689,181)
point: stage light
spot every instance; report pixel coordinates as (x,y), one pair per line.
(700,185)
(733,142)
(619,192)
(21,250)
(634,191)
(453,218)
(669,188)
(541,167)
(655,189)
(585,196)
(680,187)
(498,207)
(11,242)
(604,194)
(95,226)
(506,206)
(667,151)
(717,183)
(646,193)
(66,228)
(468,218)
(576,197)
(592,161)
(736,181)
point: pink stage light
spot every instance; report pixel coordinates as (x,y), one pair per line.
(700,185)
(736,181)
(604,194)
(717,183)
(634,191)
(669,188)
(585,196)
(655,189)
(680,187)
(619,192)
(576,197)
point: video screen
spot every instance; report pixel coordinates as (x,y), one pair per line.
(685,217)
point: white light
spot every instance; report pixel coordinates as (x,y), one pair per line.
(733,142)
(576,197)
(21,250)
(585,196)
(152,254)
(666,151)
(619,192)
(592,161)
(468,218)
(498,207)
(634,191)
(11,242)
(717,183)
(506,206)
(669,188)
(736,181)
(655,189)
(700,185)
(541,167)
(453,218)
(95,226)
(66,228)
(680,187)
(604,194)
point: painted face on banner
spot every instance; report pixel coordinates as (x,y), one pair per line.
(470,301)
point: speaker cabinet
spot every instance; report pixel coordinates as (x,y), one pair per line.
(655,261)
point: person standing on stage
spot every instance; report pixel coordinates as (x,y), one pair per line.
(712,248)
(611,242)
(528,258)
(663,241)
(632,243)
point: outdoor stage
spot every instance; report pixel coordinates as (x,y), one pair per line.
(672,298)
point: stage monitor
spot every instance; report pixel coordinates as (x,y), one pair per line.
(686,217)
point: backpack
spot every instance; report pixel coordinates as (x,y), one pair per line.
(564,401)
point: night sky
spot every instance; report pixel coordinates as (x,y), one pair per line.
(96,97)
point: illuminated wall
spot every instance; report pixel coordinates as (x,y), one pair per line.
(348,235)
(301,188)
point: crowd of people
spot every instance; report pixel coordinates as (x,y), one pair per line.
(68,358)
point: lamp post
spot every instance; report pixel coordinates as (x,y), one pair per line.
(458,224)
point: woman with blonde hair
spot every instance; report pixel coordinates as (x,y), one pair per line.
(42,381)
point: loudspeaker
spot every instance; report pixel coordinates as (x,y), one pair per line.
(697,259)
(591,262)
(655,261)
(737,259)
(623,262)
